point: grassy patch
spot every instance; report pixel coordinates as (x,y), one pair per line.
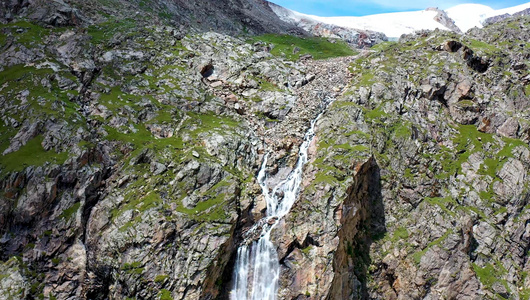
(384,46)
(133,268)
(366,79)
(161,278)
(69,212)
(268,86)
(467,141)
(205,123)
(490,274)
(26,33)
(376,116)
(103,32)
(165,295)
(469,136)
(143,138)
(17,73)
(31,154)
(444,203)
(203,206)
(482,46)
(319,48)
(211,207)
(3,39)
(418,255)
(400,233)
(324,177)
(402,130)
(42,101)
(139,202)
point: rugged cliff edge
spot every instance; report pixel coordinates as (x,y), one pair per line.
(445,117)
(130,138)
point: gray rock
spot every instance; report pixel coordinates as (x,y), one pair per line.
(58,13)
(157,168)
(28,131)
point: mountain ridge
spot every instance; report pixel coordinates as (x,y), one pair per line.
(458,18)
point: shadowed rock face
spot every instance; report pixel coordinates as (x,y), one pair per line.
(227,16)
(10,8)
(362,220)
(53,12)
(231,16)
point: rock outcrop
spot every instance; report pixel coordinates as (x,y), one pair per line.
(232,17)
(355,37)
(496,19)
(444,19)
(450,144)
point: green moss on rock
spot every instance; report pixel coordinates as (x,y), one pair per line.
(319,48)
(31,154)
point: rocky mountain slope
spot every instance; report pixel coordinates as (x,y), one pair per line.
(418,184)
(230,16)
(130,146)
(359,38)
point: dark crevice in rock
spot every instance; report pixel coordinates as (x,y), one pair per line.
(389,276)
(479,64)
(144,157)
(226,278)
(363,221)
(219,273)
(308,241)
(428,285)
(11,8)
(219,285)
(94,193)
(100,284)
(207,70)
(273,115)
(87,79)
(452,46)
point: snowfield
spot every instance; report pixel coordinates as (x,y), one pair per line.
(393,25)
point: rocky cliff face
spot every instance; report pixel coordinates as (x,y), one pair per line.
(228,16)
(127,159)
(445,118)
(130,148)
(444,19)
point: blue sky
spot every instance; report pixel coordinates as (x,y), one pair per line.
(327,8)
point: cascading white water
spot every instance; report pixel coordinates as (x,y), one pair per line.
(257,268)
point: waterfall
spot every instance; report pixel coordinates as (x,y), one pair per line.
(257,268)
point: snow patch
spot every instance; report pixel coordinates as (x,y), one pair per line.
(467,16)
(393,25)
